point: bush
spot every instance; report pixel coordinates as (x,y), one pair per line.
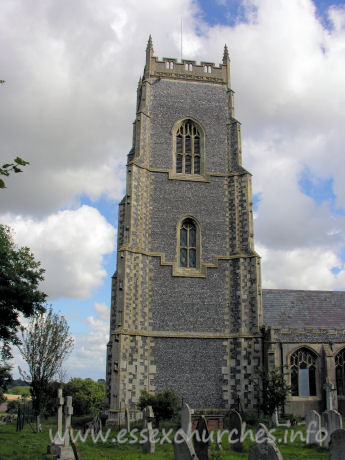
(165,405)
(88,396)
(274,390)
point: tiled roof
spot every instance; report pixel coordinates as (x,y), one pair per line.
(288,308)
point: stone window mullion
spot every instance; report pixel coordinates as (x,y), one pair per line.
(303,372)
(188,149)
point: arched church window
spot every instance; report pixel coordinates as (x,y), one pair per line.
(188,148)
(340,372)
(303,364)
(188,248)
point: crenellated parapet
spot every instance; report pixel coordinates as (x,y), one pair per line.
(187,69)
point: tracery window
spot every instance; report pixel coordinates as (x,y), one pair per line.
(303,365)
(340,372)
(188,244)
(188,148)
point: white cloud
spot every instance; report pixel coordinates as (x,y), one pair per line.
(91,347)
(70,245)
(301,268)
(103,310)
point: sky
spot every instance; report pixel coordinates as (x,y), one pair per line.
(67,107)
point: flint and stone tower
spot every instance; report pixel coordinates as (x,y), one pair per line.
(186,295)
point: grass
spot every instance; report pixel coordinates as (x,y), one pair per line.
(26,445)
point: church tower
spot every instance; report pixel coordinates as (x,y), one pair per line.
(186,305)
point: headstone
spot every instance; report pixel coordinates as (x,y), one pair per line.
(337,445)
(331,421)
(236,424)
(329,389)
(275,420)
(183,449)
(312,426)
(186,419)
(60,403)
(127,420)
(261,432)
(265,451)
(202,442)
(148,447)
(61,447)
(68,418)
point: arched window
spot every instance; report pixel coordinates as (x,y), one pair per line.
(340,372)
(188,244)
(188,148)
(303,364)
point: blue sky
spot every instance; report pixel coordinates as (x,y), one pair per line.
(71,74)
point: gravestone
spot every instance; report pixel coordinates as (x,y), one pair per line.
(337,445)
(312,426)
(148,447)
(68,418)
(202,441)
(274,418)
(331,421)
(60,403)
(61,447)
(329,389)
(183,449)
(236,424)
(127,420)
(261,432)
(186,419)
(265,451)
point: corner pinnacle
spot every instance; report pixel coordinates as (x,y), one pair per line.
(149,44)
(225,55)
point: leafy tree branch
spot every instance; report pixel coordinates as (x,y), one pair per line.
(8,168)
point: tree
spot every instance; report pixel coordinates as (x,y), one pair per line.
(88,396)
(46,342)
(165,405)
(20,275)
(7,168)
(274,389)
(5,380)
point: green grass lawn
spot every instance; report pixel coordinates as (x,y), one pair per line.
(26,445)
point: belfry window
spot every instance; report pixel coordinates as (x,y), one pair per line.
(303,373)
(340,372)
(188,244)
(188,148)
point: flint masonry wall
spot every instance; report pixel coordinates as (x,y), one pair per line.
(198,334)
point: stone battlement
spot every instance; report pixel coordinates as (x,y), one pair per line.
(187,69)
